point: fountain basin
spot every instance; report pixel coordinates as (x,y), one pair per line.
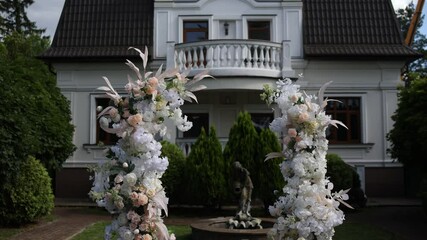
(216,228)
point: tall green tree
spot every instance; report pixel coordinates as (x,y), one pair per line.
(35,117)
(205,171)
(404,17)
(409,134)
(270,178)
(13,18)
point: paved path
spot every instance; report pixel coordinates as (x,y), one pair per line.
(409,222)
(68,222)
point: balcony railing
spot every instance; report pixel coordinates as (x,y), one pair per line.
(232,57)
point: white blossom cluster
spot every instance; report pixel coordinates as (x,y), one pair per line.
(307,209)
(129,185)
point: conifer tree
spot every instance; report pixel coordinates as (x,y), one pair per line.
(205,171)
(270,178)
(13,18)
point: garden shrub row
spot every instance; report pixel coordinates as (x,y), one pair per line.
(204,177)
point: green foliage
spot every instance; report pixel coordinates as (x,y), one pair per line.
(205,171)
(35,116)
(269,176)
(339,173)
(13,18)
(409,134)
(29,197)
(240,147)
(404,17)
(344,177)
(249,148)
(173,178)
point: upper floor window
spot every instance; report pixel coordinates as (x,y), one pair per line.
(259,30)
(348,112)
(195,30)
(102,136)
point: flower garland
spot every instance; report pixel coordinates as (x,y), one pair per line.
(129,185)
(306,209)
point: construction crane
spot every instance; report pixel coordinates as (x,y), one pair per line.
(414,22)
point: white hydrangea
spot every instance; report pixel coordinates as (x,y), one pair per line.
(307,209)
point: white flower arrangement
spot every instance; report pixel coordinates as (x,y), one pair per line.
(129,185)
(307,209)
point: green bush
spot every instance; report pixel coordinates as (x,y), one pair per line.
(269,176)
(29,197)
(343,176)
(409,134)
(204,172)
(242,147)
(173,178)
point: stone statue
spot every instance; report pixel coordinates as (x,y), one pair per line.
(243,186)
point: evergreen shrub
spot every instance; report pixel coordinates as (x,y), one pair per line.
(204,171)
(269,176)
(343,176)
(173,179)
(29,197)
(242,146)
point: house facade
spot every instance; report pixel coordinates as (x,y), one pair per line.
(244,44)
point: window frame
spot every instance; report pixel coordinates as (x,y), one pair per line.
(249,28)
(267,18)
(362,118)
(182,19)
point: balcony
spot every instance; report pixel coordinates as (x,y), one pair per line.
(232,58)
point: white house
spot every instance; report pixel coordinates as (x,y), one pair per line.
(244,44)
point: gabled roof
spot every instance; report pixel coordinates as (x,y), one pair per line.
(352,28)
(102,29)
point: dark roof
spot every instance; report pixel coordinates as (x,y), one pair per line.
(352,28)
(102,28)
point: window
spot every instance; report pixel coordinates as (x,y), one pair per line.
(262,120)
(348,112)
(259,30)
(200,120)
(101,135)
(195,30)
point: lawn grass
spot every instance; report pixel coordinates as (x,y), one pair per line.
(96,232)
(347,231)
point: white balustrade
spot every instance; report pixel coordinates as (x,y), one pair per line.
(232,57)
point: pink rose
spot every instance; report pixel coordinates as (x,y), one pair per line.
(134,195)
(142,199)
(303,117)
(135,219)
(146,237)
(118,179)
(294,98)
(292,132)
(286,140)
(153,81)
(134,120)
(298,139)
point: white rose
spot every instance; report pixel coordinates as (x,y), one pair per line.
(130,179)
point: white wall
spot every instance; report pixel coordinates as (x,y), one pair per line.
(286,18)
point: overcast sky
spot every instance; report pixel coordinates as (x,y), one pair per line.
(46,13)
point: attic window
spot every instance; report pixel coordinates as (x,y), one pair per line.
(259,30)
(195,30)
